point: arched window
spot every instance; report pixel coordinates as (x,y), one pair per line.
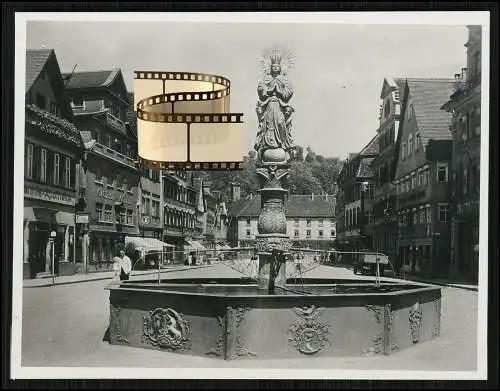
(410,145)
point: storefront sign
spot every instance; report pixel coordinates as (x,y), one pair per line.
(46,194)
(82,219)
(109,196)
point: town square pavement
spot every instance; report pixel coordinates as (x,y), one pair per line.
(64,325)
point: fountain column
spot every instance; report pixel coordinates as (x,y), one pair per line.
(274,146)
(272,240)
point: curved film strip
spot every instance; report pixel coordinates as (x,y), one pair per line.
(183,122)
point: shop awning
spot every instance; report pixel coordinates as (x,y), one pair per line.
(193,245)
(222,247)
(146,244)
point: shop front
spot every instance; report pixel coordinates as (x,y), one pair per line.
(41,217)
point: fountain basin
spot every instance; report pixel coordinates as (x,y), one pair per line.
(233,319)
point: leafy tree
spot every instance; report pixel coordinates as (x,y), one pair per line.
(313,174)
(302,181)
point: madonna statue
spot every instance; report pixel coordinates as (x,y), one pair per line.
(273,109)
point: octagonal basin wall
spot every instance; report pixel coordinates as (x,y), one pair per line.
(231,322)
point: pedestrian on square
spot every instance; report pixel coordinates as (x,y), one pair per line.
(125,266)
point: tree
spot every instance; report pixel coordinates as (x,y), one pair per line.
(302,181)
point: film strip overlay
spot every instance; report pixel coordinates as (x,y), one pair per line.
(184,122)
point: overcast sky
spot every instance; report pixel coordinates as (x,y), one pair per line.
(338,72)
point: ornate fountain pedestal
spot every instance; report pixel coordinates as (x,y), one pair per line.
(272,241)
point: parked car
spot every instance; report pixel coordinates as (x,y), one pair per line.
(367,263)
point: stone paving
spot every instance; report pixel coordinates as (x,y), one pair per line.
(64,325)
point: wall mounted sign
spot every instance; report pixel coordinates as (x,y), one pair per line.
(112,197)
(82,219)
(46,194)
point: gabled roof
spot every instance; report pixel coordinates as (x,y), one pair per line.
(427,97)
(295,205)
(94,79)
(401,84)
(35,62)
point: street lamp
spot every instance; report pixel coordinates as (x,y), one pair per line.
(52,238)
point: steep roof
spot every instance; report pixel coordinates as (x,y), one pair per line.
(371,148)
(35,61)
(401,84)
(295,206)
(427,97)
(93,79)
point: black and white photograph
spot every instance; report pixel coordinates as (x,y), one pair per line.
(205,195)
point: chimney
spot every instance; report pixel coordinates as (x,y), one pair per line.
(235,191)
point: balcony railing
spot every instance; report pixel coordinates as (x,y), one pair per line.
(114,122)
(109,152)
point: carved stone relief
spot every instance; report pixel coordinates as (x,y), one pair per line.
(219,347)
(166,329)
(309,336)
(230,343)
(415,320)
(378,340)
(234,339)
(436,327)
(116,324)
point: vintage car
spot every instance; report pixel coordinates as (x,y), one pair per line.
(367,263)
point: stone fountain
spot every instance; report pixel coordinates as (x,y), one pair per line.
(271,316)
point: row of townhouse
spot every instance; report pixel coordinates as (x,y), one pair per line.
(413,191)
(84,191)
(310,219)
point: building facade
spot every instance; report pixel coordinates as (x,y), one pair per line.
(465,107)
(354,206)
(180,213)
(422,178)
(53,149)
(109,178)
(310,221)
(384,224)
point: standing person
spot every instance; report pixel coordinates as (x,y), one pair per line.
(125,266)
(190,259)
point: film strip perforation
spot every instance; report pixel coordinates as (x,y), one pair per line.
(188,76)
(193,166)
(189,118)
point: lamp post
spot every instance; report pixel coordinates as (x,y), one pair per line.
(52,238)
(162,224)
